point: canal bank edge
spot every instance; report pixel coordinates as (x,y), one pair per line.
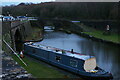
(89,36)
(96,39)
(81,34)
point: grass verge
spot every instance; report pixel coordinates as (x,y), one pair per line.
(99,34)
(38,70)
(113,37)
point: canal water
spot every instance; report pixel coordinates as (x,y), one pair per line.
(107,55)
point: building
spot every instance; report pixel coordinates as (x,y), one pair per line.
(8,18)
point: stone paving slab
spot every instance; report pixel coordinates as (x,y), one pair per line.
(11,70)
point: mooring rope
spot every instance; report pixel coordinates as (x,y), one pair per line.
(14,52)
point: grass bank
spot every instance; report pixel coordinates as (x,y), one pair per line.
(99,34)
(38,70)
(113,37)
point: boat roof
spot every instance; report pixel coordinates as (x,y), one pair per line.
(60,51)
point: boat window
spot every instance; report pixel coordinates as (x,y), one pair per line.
(73,63)
(58,58)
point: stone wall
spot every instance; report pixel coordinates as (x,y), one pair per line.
(6,25)
(10,29)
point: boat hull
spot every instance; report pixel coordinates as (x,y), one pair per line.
(64,63)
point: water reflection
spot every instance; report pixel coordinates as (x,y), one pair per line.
(107,55)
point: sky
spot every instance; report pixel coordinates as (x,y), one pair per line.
(88,0)
(16,2)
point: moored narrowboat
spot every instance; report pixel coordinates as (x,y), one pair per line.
(83,65)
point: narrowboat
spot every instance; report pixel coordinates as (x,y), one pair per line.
(83,65)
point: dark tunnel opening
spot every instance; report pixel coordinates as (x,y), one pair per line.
(18,41)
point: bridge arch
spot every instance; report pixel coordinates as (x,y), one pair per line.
(18,40)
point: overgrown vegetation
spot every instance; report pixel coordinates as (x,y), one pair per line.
(36,34)
(67,10)
(7,38)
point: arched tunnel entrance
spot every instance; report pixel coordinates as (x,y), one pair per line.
(18,41)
